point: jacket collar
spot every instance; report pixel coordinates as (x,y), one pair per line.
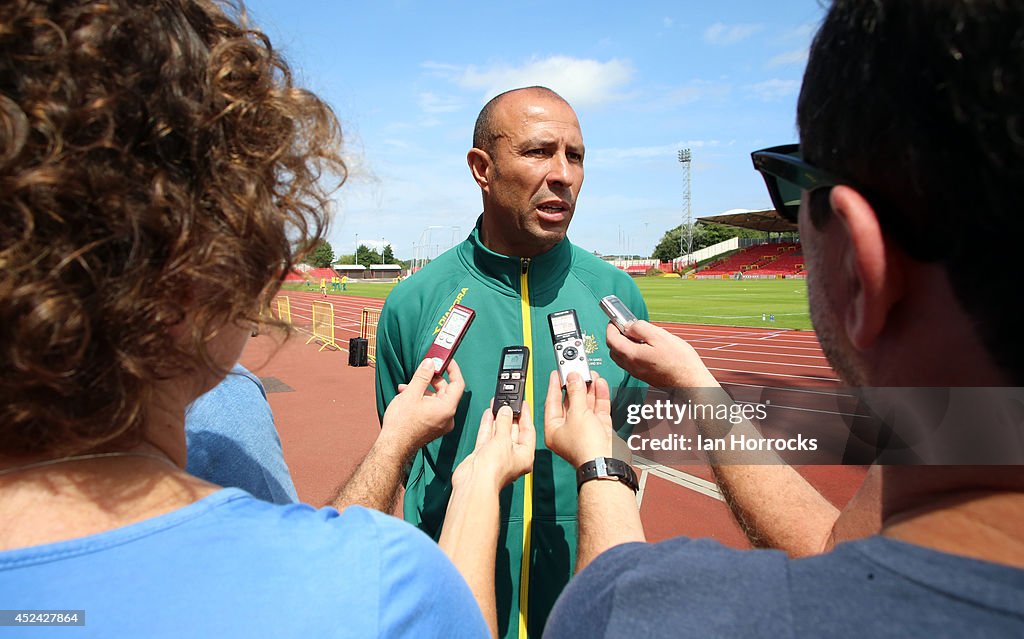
(503,271)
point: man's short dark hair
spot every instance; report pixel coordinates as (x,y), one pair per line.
(483,132)
(920,104)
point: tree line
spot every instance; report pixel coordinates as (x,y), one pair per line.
(323,256)
(704,234)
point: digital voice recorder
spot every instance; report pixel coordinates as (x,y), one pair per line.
(515,360)
(449,337)
(617,312)
(568,340)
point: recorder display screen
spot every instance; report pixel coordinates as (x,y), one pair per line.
(562,324)
(513,361)
(620,307)
(455,322)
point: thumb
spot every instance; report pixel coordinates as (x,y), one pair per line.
(421,378)
(576,393)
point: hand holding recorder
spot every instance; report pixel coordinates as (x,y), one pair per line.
(418,416)
(504,449)
(568,341)
(579,428)
(658,357)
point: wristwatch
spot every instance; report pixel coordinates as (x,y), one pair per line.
(607,468)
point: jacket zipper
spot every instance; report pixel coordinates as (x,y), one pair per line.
(524,570)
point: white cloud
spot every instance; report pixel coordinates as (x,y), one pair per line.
(401,145)
(582,82)
(668,152)
(724,34)
(667,22)
(440,68)
(695,91)
(796,56)
(433,103)
(774,89)
(804,31)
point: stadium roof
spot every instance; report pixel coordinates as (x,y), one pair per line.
(767,220)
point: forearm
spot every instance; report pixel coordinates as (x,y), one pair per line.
(470,539)
(376,481)
(608,516)
(777,508)
(773,504)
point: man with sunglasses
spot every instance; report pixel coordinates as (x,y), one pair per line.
(907,187)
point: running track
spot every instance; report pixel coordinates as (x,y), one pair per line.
(787,361)
(736,355)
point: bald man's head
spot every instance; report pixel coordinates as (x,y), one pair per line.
(527,158)
(485,132)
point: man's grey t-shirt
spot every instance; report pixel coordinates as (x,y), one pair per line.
(876,587)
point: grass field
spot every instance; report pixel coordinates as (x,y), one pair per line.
(720,302)
(372,289)
(727,302)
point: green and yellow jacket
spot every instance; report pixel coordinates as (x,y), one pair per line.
(512,298)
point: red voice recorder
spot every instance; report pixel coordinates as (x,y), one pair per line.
(450,336)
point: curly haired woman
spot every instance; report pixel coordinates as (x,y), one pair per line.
(160,173)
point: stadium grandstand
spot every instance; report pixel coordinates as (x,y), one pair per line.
(774,260)
(776,256)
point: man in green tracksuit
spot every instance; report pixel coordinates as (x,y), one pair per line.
(515,268)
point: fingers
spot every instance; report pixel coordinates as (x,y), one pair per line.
(553,402)
(451,391)
(619,347)
(616,340)
(527,435)
(421,378)
(486,430)
(603,397)
(456,383)
(575,392)
(503,423)
(644,331)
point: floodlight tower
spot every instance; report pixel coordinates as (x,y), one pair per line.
(684,159)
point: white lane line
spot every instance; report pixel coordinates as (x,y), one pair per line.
(678,477)
(723,346)
(756,361)
(791,389)
(643,486)
(744,372)
(821,357)
(764,345)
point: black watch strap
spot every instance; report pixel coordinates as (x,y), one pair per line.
(607,468)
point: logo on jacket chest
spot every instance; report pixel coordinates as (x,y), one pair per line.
(590,347)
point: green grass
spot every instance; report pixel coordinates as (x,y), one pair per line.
(727,302)
(379,290)
(720,302)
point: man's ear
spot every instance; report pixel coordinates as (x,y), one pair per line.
(479,165)
(872,271)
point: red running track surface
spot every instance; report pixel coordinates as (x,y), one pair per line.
(326,412)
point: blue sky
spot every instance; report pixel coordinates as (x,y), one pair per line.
(407,80)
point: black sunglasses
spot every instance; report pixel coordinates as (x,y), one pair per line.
(787,175)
